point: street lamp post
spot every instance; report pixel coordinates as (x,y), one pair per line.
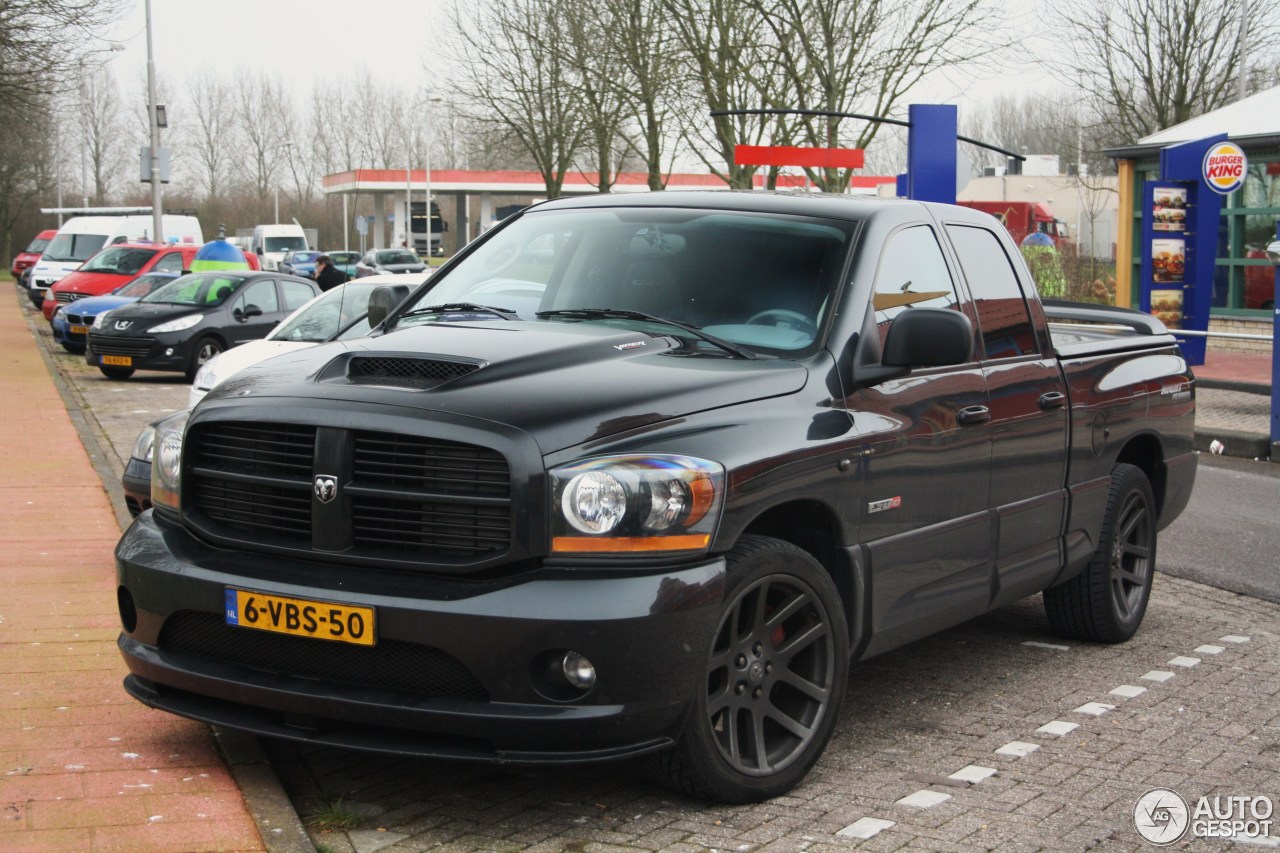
(157,210)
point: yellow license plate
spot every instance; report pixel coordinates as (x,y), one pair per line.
(79,330)
(322,620)
(120,360)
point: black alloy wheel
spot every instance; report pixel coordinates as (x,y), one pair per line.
(775,679)
(1107,601)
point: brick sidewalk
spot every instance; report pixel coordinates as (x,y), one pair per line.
(85,767)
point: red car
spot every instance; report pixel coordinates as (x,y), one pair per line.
(27,258)
(117,265)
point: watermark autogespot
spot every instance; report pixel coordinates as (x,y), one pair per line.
(1162,817)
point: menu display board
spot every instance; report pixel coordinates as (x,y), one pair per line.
(1166,305)
(1169,209)
(1168,259)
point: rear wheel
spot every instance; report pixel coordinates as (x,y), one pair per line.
(1106,602)
(112,372)
(76,349)
(205,349)
(774,681)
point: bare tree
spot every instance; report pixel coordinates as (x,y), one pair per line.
(211,129)
(642,43)
(263,114)
(1151,64)
(100,117)
(27,169)
(523,87)
(41,44)
(597,65)
(863,56)
(728,67)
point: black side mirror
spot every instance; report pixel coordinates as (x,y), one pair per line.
(249,311)
(921,337)
(383,300)
(928,337)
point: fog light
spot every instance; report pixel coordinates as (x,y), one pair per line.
(169,351)
(578,671)
(128,612)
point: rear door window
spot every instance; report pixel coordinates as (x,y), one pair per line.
(1003,315)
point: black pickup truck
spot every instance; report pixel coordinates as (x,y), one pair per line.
(643,475)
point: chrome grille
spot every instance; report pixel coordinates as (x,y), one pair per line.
(398,498)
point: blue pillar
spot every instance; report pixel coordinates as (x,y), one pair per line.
(931,153)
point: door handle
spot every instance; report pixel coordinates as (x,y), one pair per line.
(1052,400)
(970,415)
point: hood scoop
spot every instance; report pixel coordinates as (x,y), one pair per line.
(410,372)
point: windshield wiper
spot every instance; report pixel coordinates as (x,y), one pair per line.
(449,307)
(624,314)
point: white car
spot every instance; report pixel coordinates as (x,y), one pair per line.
(319,320)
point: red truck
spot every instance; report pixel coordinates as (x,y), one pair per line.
(1022,218)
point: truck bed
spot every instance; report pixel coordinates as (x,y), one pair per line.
(1081,329)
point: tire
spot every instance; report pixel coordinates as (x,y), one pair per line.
(204,349)
(112,372)
(1106,602)
(74,349)
(775,679)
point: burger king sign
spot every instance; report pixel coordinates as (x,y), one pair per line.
(1224,167)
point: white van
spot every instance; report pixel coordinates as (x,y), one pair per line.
(272,242)
(81,237)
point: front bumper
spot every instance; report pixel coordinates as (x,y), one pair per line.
(648,633)
(136,483)
(169,352)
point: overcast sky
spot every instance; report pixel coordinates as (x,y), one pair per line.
(308,40)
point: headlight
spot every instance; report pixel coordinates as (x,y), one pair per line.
(179,325)
(624,504)
(143,444)
(100,321)
(207,375)
(166,461)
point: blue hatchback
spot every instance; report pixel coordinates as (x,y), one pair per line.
(300,264)
(71,321)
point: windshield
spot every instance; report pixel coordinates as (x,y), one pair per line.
(321,318)
(37,245)
(284,244)
(397,257)
(203,289)
(763,281)
(119,261)
(303,257)
(74,247)
(145,284)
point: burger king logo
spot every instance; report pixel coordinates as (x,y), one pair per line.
(1224,168)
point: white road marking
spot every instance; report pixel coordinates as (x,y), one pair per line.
(1157,675)
(1128,691)
(1057,728)
(925,799)
(1017,749)
(867,827)
(974,773)
(1095,709)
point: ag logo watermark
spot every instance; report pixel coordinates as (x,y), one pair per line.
(1162,817)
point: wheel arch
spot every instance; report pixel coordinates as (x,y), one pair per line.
(815,528)
(1146,451)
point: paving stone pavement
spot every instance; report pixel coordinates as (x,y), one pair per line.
(913,721)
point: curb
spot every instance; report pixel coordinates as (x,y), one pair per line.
(1235,385)
(1242,445)
(268,804)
